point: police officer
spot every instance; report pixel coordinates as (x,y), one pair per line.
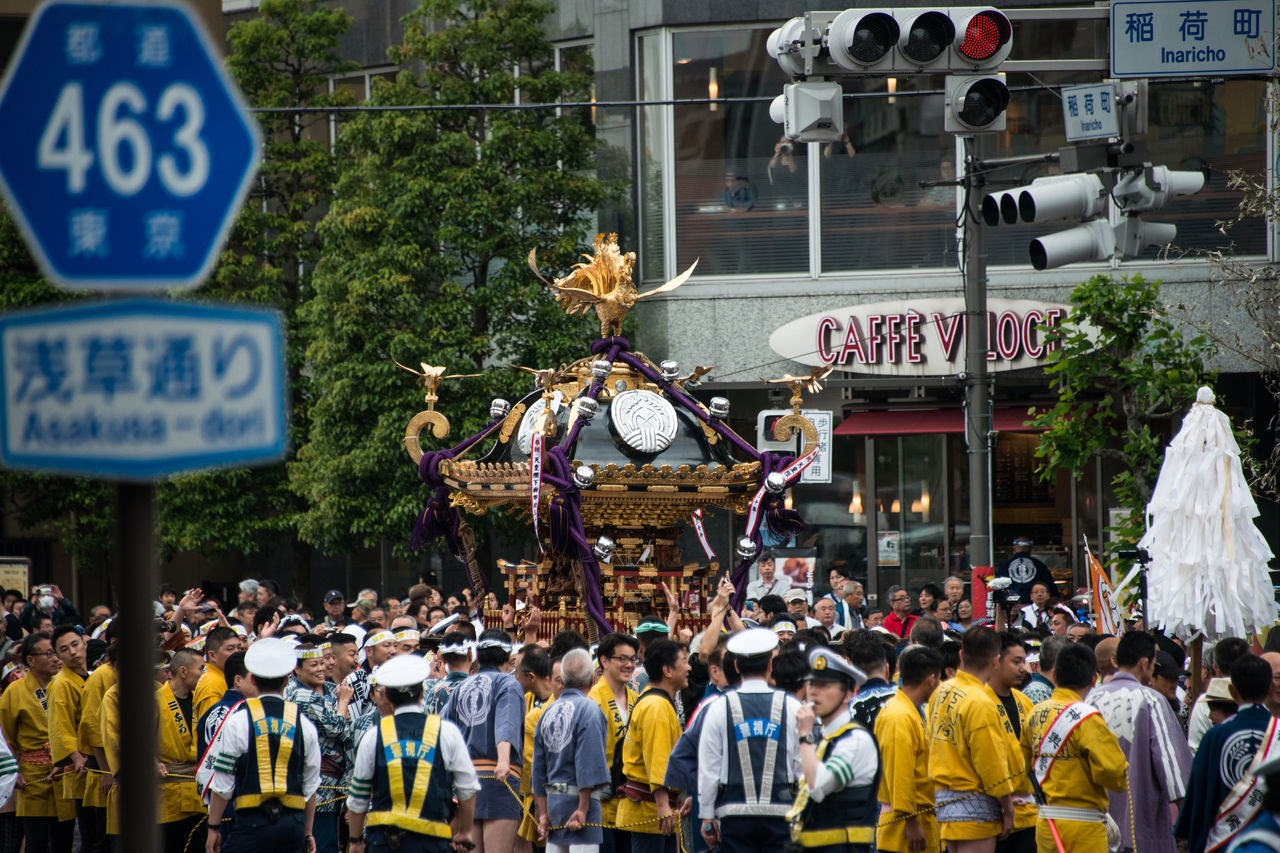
(408,769)
(268,764)
(749,757)
(837,809)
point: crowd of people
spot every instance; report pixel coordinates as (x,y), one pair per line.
(404,724)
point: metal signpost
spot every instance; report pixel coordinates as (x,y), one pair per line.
(126,154)
(1192,38)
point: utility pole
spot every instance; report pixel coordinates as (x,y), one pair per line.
(977,391)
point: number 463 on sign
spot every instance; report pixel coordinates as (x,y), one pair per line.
(127,150)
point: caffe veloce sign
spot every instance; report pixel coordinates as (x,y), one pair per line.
(919,338)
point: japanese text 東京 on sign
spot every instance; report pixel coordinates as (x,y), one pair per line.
(139,389)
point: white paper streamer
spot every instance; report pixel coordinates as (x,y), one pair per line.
(702,534)
(535,482)
(1209,564)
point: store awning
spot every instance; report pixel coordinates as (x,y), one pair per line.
(928,421)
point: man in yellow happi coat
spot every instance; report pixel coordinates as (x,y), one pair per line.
(92,744)
(1015,708)
(66,703)
(648,810)
(1077,759)
(971,765)
(180,805)
(220,644)
(618,661)
(109,725)
(906,794)
(534,674)
(24,718)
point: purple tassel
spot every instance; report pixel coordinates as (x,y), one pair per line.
(782,521)
(560,514)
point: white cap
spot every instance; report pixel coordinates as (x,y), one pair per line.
(270,658)
(753,642)
(444,624)
(402,671)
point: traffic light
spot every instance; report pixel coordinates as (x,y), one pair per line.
(1086,195)
(975,103)
(898,41)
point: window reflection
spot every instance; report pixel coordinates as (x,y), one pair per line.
(741,190)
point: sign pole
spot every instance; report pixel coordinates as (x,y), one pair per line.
(135,529)
(977,423)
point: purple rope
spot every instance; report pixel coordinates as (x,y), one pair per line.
(593,391)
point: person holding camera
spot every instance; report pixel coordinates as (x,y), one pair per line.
(47,602)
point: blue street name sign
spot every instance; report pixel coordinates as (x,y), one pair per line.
(1192,38)
(127,151)
(139,389)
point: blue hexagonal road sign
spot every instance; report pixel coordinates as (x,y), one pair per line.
(126,149)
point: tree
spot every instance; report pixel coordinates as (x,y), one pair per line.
(281,58)
(424,256)
(1121,371)
(78,512)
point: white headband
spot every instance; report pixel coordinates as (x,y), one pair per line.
(457,648)
(494,644)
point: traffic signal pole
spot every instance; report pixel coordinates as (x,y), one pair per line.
(977,391)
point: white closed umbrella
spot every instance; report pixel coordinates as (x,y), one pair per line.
(1209,564)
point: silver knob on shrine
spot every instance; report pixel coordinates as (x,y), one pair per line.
(603,549)
(587,408)
(719,408)
(670,371)
(584,476)
(776,483)
(499,408)
(747,547)
(600,370)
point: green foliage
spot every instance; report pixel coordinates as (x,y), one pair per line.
(1121,371)
(424,257)
(77,512)
(281,58)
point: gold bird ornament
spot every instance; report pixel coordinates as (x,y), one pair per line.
(603,284)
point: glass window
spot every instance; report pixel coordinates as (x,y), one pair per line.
(910,511)
(741,190)
(837,511)
(875,214)
(652,156)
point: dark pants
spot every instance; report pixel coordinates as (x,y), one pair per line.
(251,832)
(325,829)
(753,834)
(93,829)
(652,842)
(47,834)
(182,836)
(615,841)
(410,842)
(10,833)
(1022,841)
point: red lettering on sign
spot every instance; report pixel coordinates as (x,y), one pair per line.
(1008,335)
(874,338)
(948,333)
(1031,334)
(891,324)
(913,338)
(853,343)
(825,326)
(1051,318)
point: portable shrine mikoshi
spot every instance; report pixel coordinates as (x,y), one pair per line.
(608,459)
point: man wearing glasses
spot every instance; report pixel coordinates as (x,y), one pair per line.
(618,661)
(24,718)
(899,620)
